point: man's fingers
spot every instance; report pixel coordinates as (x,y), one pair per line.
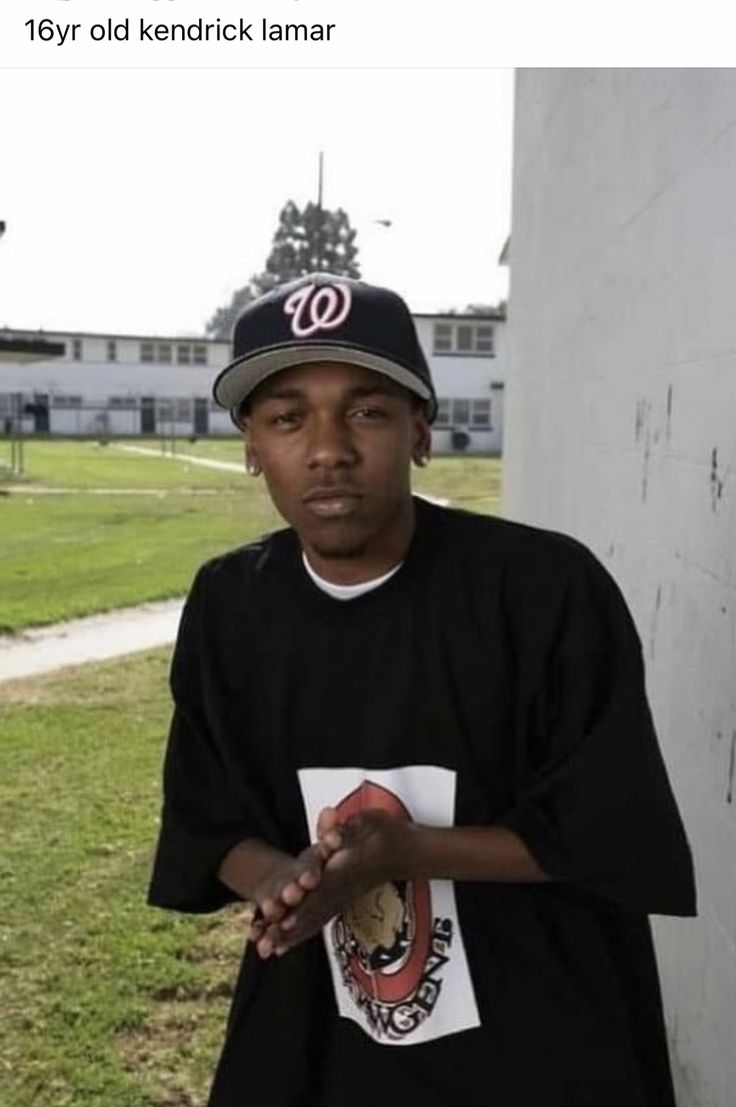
(257,930)
(292,894)
(269,941)
(309,879)
(273,909)
(326,820)
(331,841)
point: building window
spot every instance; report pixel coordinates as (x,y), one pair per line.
(443,412)
(60,399)
(182,410)
(442,338)
(463,413)
(77,349)
(484,339)
(463,337)
(123,403)
(112,350)
(481,413)
(186,353)
(165,410)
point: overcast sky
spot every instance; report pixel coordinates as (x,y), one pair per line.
(136,201)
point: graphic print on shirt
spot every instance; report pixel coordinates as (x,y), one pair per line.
(396,954)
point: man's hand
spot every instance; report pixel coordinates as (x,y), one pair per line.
(284,886)
(291,879)
(369,849)
(374,847)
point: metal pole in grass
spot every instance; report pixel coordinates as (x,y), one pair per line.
(16,436)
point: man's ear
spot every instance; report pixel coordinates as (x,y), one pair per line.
(252,465)
(422,437)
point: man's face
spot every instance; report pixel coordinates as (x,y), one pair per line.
(335,444)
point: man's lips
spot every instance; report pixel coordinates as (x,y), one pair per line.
(334,493)
(332,502)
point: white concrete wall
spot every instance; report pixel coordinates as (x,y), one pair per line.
(621,430)
(96,381)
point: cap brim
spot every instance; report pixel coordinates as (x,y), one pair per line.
(238,379)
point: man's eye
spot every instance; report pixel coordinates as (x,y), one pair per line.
(371,412)
(286,417)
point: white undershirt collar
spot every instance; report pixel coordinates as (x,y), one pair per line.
(347,591)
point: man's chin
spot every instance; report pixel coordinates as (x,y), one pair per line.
(338,549)
(337,540)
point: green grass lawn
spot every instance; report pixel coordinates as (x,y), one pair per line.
(106,1001)
(87,464)
(155,520)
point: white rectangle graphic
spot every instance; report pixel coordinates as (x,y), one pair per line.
(397,956)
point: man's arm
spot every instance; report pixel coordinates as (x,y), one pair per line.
(271,879)
(474,853)
(248,864)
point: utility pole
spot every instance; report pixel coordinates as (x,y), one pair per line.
(319,209)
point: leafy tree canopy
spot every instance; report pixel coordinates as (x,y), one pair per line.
(307,239)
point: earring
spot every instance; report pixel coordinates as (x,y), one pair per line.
(251,470)
(421,460)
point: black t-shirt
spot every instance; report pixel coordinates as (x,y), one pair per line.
(496,677)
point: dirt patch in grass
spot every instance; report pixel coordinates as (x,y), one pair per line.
(158,1051)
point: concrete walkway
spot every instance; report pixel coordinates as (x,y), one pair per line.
(231,466)
(94,638)
(205,462)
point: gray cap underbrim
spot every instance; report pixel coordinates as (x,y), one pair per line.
(240,378)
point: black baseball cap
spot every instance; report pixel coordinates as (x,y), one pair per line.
(323,317)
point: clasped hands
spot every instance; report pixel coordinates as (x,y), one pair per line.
(301,894)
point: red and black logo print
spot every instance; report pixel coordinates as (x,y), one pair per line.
(389,948)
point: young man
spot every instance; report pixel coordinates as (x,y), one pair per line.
(418,740)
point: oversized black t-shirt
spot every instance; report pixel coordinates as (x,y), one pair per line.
(496,677)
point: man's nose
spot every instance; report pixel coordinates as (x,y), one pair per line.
(331,442)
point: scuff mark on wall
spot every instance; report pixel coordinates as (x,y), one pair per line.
(716,483)
(640,417)
(668,426)
(729,793)
(645,468)
(642,427)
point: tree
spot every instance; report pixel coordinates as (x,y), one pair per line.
(222,322)
(306,240)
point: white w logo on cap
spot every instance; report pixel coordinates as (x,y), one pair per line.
(318,308)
